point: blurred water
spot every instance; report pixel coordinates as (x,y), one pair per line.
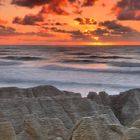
(78,68)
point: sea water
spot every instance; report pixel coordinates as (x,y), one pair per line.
(73,68)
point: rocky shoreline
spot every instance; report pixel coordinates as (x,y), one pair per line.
(46,113)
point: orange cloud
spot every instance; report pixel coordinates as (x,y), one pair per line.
(83,21)
(55,7)
(127,9)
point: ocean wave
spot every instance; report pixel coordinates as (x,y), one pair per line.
(67,68)
(107,57)
(124,64)
(81,61)
(30,82)
(3,63)
(109,60)
(3,53)
(97,61)
(99,56)
(22,58)
(78,53)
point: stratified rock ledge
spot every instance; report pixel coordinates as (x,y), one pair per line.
(47,113)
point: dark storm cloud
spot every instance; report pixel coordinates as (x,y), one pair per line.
(53,23)
(114,31)
(129,4)
(72,1)
(100,32)
(33,3)
(29,20)
(37,20)
(10,31)
(56,6)
(117,28)
(5,31)
(79,35)
(89,2)
(53,6)
(128,15)
(54,29)
(30,3)
(84,21)
(74,34)
(127,9)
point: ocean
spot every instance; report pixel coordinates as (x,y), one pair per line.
(73,68)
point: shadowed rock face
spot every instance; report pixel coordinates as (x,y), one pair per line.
(126,105)
(46,113)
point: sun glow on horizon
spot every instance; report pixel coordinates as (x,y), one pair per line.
(96,38)
(100,43)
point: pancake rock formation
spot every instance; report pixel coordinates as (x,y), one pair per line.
(46,113)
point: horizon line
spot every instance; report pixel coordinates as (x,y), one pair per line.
(69,45)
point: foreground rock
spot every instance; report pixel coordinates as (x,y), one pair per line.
(97,128)
(101,128)
(43,129)
(7,131)
(126,105)
(46,113)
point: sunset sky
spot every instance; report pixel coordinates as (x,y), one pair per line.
(70,22)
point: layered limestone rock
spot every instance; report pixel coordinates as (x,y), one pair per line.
(97,128)
(46,102)
(101,128)
(133,133)
(101,98)
(126,105)
(43,129)
(46,113)
(7,131)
